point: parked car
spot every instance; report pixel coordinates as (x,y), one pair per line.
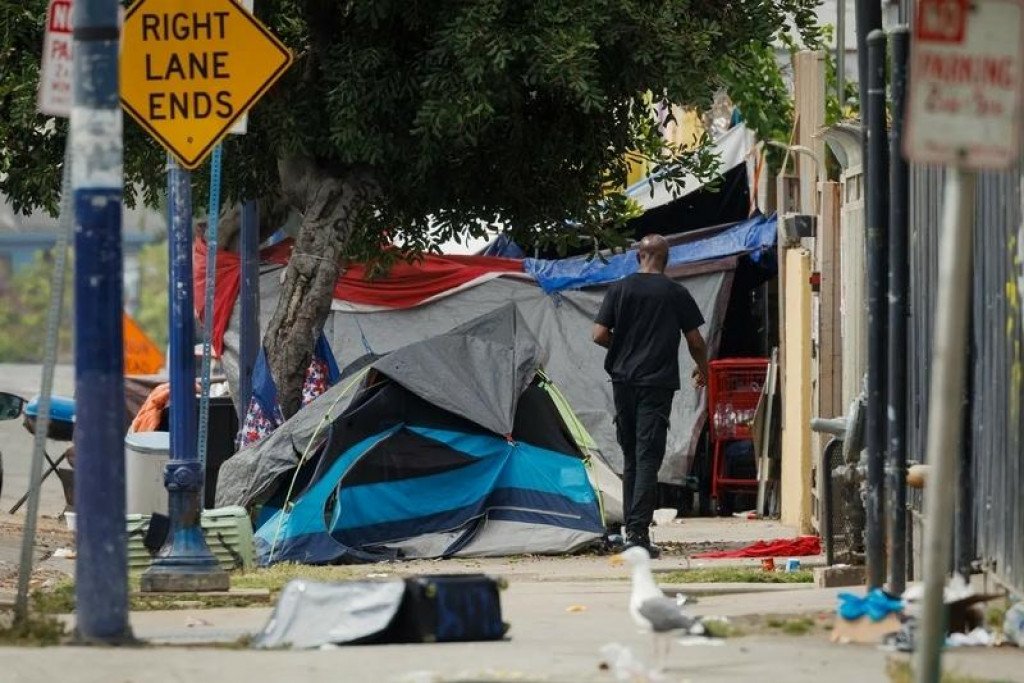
(11,408)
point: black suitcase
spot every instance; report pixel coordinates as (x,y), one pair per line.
(449,609)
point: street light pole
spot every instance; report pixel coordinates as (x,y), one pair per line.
(185,563)
(97,172)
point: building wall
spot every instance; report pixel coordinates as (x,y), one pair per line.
(828,15)
(796,393)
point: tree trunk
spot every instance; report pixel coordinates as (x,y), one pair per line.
(329,205)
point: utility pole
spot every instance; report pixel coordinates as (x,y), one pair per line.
(877,304)
(101,571)
(899,287)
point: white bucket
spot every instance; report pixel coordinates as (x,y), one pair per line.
(146,454)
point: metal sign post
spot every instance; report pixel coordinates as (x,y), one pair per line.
(949,357)
(185,563)
(964,112)
(190,71)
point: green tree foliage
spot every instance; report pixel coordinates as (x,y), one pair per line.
(412,122)
(465,111)
(153,301)
(23,311)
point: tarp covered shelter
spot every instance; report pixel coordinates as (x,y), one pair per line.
(558,300)
(453,445)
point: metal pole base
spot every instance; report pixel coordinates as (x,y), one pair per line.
(185,565)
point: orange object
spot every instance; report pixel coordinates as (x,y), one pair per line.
(768,564)
(148,419)
(141,355)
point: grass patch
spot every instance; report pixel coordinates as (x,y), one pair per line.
(784,624)
(39,630)
(900,672)
(995,616)
(735,575)
(276,577)
(721,628)
(61,599)
(798,626)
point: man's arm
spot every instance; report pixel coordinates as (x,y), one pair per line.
(604,323)
(699,352)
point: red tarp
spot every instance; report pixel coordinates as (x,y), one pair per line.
(407,285)
(797,547)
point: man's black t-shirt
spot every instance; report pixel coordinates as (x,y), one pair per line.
(647,313)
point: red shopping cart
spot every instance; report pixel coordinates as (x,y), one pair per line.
(734,389)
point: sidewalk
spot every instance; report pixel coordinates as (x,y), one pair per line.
(546,643)
(681,539)
(562,611)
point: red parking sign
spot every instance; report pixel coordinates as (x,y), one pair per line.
(941,21)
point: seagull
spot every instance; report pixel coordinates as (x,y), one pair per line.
(649,607)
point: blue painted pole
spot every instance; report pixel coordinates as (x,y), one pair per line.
(185,563)
(101,586)
(250,333)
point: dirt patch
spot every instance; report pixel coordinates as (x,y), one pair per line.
(51,534)
(50,531)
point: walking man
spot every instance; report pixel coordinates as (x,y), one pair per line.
(641,322)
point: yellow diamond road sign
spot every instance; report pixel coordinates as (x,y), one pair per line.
(191,68)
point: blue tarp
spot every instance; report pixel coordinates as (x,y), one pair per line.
(752,237)
(504,246)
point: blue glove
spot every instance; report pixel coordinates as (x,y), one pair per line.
(876,604)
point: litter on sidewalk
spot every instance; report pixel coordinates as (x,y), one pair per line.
(883,619)
(867,620)
(419,609)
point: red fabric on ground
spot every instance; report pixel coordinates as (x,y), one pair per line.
(797,547)
(407,285)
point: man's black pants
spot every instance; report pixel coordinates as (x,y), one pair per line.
(641,422)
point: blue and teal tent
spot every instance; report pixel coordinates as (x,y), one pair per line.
(453,446)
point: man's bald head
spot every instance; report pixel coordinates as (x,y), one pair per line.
(653,253)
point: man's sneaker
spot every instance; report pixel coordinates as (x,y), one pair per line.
(614,543)
(652,550)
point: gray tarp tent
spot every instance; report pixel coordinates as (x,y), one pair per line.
(562,323)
